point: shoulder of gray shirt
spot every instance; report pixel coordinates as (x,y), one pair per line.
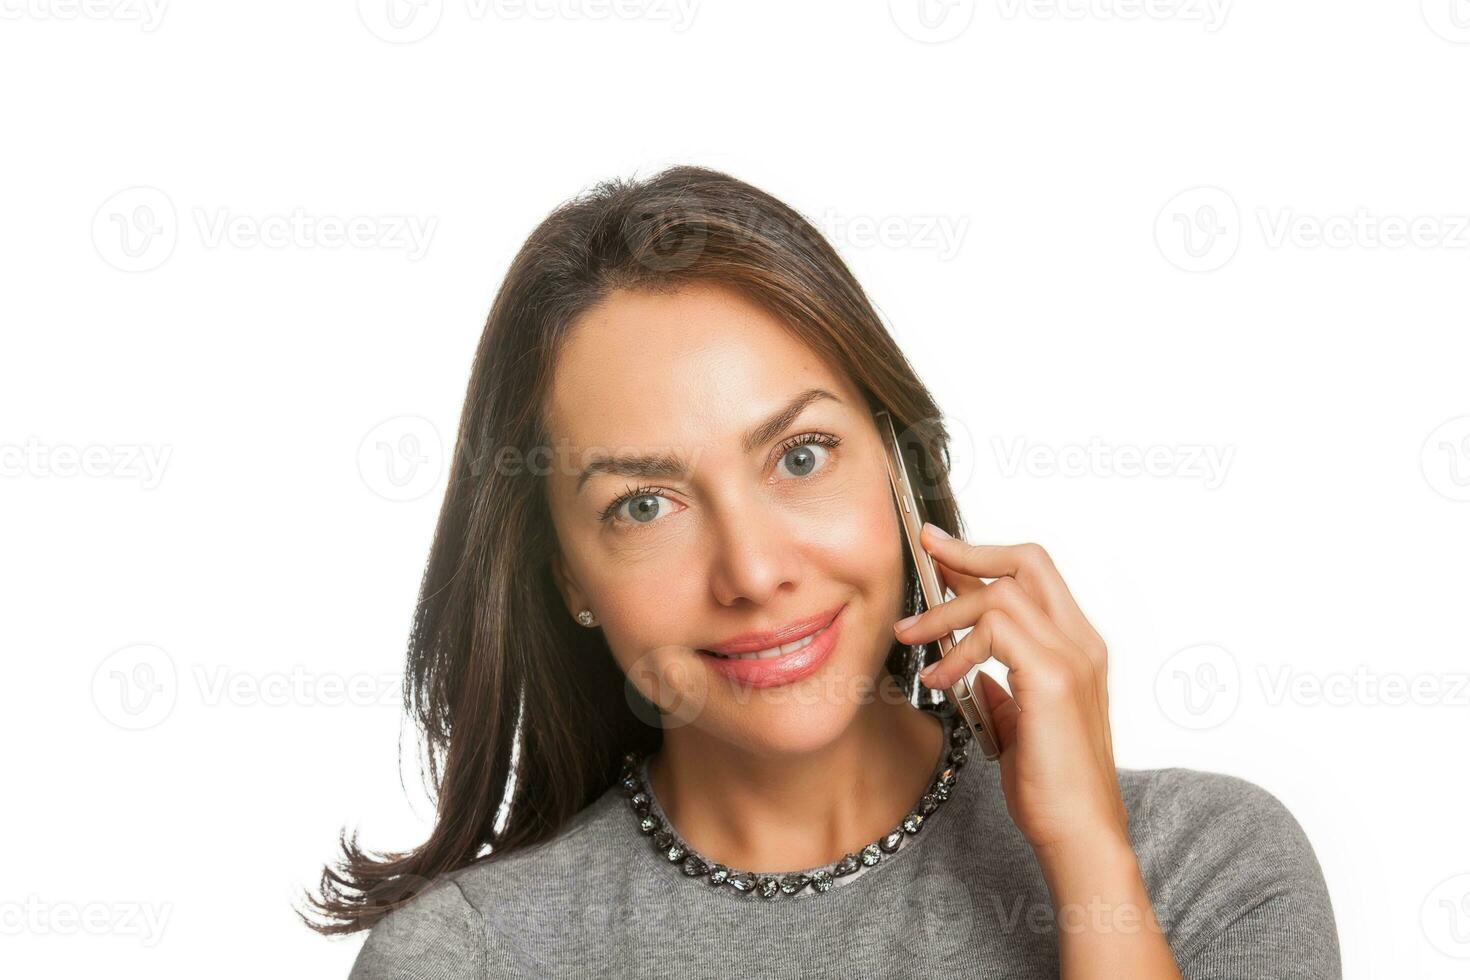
(1230,873)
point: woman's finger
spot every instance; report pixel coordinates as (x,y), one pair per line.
(1029,565)
(973,649)
(1034,671)
(963,611)
(956,581)
(1004,712)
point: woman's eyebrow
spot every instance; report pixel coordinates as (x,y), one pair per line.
(673,465)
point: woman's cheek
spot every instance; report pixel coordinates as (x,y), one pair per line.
(648,606)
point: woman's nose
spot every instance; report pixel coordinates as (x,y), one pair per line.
(755,557)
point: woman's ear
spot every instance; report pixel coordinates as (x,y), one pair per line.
(570,593)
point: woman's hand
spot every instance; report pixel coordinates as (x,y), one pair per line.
(1056,745)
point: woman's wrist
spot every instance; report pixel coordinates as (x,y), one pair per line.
(1106,926)
(1080,870)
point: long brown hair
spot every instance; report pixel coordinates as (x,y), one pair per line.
(505,690)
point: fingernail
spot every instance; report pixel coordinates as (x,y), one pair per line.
(904,624)
(939,532)
(928,671)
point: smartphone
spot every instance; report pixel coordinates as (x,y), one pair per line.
(969,702)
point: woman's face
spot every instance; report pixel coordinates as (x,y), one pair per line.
(746,536)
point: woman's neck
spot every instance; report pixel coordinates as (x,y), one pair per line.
(799,811)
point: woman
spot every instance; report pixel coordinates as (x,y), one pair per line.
(667,621)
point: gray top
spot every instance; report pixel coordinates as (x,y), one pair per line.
(1233,880)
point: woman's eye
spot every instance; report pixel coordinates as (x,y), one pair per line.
(644,508)
(804,459)
(646,505)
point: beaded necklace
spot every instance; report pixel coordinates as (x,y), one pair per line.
(668,844)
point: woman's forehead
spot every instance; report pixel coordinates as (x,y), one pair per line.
(669,368)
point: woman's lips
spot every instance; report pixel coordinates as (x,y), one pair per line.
(792,632)
(785,668)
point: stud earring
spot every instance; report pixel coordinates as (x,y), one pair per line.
(585,617)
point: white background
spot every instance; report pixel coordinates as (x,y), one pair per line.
(1098,230)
